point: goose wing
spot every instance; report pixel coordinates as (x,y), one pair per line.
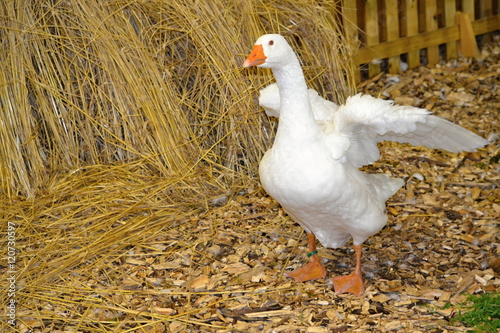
(353,130)
(364,121)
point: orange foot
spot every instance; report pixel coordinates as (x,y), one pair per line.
(351,283)
(312,271)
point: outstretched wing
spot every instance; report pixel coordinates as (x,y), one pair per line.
(364,120)
(354,129)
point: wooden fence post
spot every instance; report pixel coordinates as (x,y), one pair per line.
(450,10)
(468,45)
(468,7)
(392,24)
(349,14)
(411,9)
(372,32)
(431,24)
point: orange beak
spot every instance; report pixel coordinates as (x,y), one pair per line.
(256,57)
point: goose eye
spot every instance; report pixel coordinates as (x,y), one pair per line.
(271,42)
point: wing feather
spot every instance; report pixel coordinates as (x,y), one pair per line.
(353,130)
(366,120)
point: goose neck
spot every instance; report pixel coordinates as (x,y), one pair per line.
(290,80)
(297,121)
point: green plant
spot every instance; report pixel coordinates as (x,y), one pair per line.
(483,314)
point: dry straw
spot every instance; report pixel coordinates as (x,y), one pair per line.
(86,83)
(120,118)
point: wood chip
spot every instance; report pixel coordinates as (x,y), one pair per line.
(393,325)
(167,265)
(266,314)
(236,268)
(199,283)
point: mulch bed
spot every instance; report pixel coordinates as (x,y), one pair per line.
(222,270)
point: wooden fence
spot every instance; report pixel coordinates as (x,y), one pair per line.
(385,33)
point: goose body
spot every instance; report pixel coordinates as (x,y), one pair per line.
(312,168)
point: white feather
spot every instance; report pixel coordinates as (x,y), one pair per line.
(354,129)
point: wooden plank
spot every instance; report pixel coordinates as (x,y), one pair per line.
(423,40)
(350,23)
(450,14)
(468,8)
(485,25)
(468,45)
(431,25)
(349,15)
(392,23)
(372,32)
(411,9)
(485,8)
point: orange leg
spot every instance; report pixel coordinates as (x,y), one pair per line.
(314,269)
(352,283)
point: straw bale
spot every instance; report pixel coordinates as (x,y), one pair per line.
(89,83)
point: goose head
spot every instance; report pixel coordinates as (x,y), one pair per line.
(270,51)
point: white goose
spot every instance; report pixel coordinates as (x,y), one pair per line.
(312,168)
